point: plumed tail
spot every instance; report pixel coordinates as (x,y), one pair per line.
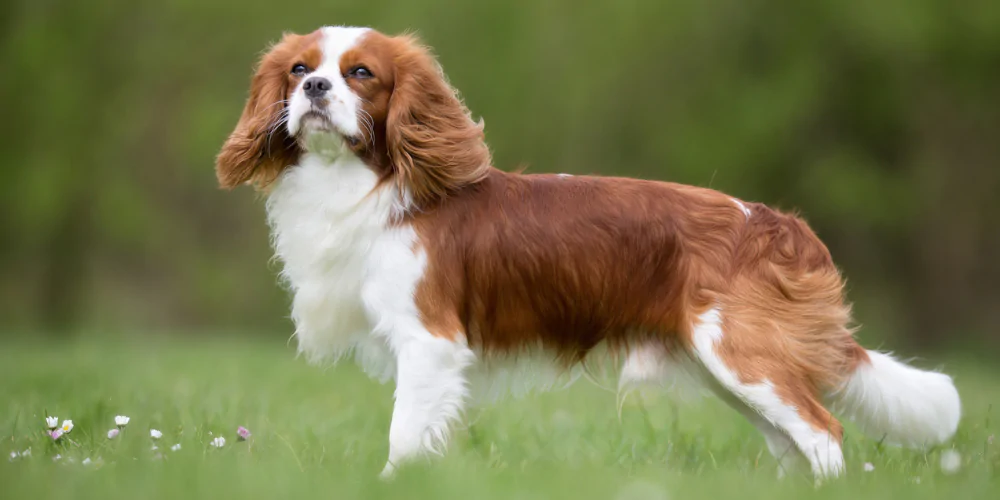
(903,405)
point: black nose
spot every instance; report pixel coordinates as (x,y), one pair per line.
(316,87)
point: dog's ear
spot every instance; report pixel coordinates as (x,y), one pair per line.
(260,147)
(434,145)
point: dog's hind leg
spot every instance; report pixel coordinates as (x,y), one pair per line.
(762,382)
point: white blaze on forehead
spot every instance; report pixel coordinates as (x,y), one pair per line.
(337,40)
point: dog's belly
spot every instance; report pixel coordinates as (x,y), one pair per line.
(494,378)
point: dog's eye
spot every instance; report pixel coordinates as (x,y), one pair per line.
(299,70)
(360,72)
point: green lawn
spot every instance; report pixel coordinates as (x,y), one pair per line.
(322,433)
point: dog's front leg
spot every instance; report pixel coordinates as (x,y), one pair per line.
(430,393)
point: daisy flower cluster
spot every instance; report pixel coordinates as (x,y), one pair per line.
(58,433)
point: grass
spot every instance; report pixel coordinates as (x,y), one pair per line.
(322,433)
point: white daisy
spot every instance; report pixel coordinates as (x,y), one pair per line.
(175,447)
(86,461)
(219,442)
(51,422)
(155,434)
(121,420)
(67,426)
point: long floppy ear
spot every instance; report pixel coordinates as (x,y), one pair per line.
(434,146)
(260,148)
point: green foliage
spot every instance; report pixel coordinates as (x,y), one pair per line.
(323,433)
(877,120)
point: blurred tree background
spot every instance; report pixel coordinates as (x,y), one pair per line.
(878,120)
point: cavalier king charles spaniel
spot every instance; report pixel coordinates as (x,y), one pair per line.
(407,250)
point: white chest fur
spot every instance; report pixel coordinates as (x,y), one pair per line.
(331,232)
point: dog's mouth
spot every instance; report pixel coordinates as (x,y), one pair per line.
(316,120)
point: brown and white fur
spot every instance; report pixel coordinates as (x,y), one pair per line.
(406,249)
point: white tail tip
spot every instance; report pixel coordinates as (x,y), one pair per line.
(905,406)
